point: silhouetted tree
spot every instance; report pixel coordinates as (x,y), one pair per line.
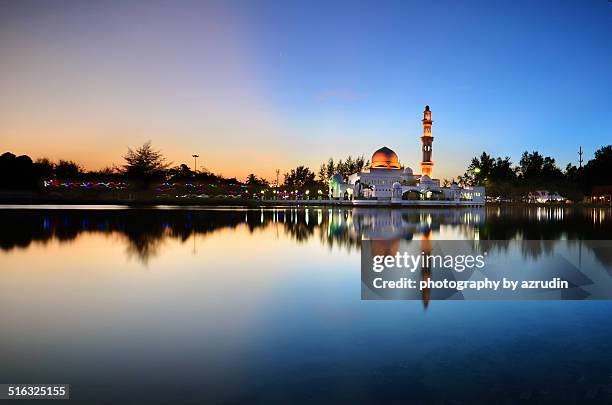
(572,173)
(327,170)
(255,184)
(534,166)
(182,172)
(344,167)
(17,172)
(206,175)
(534,172)
(145,164)
(598,171)
(67,169)
(502,170)
(253,180)
(107,173)
(299,178)
(478,171)
(44,168)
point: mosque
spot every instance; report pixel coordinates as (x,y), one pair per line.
(386,181)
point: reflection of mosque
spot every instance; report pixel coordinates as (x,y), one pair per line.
(380,223)
(388,229)
(389,247)
(145,229)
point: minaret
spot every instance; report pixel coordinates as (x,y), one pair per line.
(427,141)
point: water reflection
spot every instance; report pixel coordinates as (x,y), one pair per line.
(145,230)
(256,313)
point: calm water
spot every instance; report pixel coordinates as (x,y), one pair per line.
(263,305)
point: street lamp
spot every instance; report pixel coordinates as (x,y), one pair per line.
(195,163)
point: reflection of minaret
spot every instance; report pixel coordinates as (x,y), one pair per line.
(427,141)
(425,270)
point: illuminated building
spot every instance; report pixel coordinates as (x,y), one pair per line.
(387,181)
(427,143)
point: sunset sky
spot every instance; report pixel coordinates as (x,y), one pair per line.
(254,86)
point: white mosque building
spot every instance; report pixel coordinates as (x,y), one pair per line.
(385,181)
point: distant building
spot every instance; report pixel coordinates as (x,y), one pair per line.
(543,196)
(599,195)
(386,180)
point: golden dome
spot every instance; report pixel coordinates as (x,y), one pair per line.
(385,158)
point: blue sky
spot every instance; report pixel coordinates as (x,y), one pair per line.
(253,86)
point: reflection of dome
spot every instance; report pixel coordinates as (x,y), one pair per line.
(408,171)
(385,158)
(397,185)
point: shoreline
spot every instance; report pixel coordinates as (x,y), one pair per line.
(37,200)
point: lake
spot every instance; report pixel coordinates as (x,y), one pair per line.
(229,305)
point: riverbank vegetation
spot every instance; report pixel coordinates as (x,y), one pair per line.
(535,172)
(147,174)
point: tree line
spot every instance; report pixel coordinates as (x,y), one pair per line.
(302,178)
(145,166)
(535,171)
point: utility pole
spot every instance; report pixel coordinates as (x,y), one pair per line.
(195,163)
(580,160)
